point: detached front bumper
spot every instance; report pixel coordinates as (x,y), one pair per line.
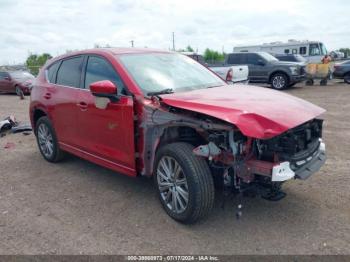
(302,169)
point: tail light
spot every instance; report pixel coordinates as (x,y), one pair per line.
(229,75)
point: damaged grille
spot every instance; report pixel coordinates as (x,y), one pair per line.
(293,145)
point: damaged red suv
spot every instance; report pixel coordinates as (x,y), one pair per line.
(145,112)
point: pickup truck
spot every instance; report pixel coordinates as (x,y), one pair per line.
(231,74)
(153,113)
(265,68)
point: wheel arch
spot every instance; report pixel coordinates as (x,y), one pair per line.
(37,114)
(167,135)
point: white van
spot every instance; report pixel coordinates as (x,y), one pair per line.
(312,51)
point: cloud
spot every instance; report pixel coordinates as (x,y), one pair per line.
(56,26)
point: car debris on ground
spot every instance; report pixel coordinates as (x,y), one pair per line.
(10,124)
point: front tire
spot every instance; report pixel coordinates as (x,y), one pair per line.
(279,81)
(347,78)
(18,91)
(47,140)
(184,183)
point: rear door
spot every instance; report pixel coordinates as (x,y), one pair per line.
(63,96)
(108,133)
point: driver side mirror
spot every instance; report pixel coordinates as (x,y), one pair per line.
(104,92)
(261,62)
(105,89)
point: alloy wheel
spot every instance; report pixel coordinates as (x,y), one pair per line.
(45,140)
(278,82)
(172,184)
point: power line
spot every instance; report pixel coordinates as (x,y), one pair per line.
(173,41)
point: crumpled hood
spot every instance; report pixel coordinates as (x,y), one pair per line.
(258,112)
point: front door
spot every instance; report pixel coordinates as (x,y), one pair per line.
(107,134)
(257,71)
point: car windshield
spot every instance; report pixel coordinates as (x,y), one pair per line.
(22,75)
(268,57)
(323,49)
(155,72)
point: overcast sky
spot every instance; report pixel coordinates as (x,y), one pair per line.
(55,26)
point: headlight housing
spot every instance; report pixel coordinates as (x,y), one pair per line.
(294,70)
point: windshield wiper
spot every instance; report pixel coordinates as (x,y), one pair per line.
(161,92)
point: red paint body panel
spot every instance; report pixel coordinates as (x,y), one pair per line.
(258,112)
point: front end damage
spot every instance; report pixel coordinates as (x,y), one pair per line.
(238,163)
(263,165)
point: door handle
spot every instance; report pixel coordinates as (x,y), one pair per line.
(47,96)
(83,105)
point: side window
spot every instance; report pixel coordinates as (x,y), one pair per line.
(2,75)
(294,51)
(253,59)
(286,51)
(233,59)
(98,69)
(237,59)
(69,72)
(302,50)
(52,71)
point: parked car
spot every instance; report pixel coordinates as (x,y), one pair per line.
(292,58)
(231,74)
(265,68)
(337,55)
(144,112)
(342,70)
(16,82)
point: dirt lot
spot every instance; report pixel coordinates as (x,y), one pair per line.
(76,207)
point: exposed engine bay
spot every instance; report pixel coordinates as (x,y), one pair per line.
(265,164)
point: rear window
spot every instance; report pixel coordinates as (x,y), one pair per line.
(51,72)
(237,59)
(69,72)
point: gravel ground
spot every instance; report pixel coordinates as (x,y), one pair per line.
(76,207)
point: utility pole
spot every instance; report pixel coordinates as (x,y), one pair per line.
(173,41)
(132,43)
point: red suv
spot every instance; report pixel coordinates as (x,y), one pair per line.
(145,112)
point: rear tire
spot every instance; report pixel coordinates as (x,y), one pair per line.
(184,183)
(47,140)
(323,82)
(279,81)
(347,78)
(309,82)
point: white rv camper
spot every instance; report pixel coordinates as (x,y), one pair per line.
(313,51)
